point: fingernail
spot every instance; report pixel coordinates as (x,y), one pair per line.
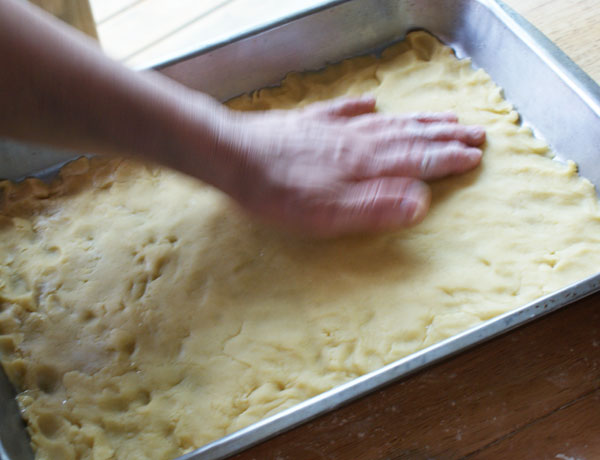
(474,154)
(369,98)
(417,201)
(478,132)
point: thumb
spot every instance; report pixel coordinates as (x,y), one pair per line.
(375,205)
(345,107)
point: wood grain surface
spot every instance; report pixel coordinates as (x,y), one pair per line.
(77,13)
(574,25)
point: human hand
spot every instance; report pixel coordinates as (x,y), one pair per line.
(335,167)
(329,169)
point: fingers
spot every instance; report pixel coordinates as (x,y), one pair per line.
(424,162)
(470,135)
(453,158)
(421,150)
(373,205)
(345,107)
(442,126)
(396,129)
(339,172)
(433,117)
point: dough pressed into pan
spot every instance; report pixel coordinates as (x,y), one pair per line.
(143,315)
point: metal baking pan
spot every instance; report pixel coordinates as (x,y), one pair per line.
(518,57)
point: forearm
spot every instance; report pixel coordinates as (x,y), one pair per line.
(58,88)
(328,169)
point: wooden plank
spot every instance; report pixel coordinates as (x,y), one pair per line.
(231,18)
(566,434)
(463,405)
(149,22)
(74,12)
(104,10)
(574,25)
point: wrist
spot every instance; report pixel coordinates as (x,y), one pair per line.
(186,132)
(208,142)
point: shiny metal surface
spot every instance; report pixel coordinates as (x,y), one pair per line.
(14,443)
(18,160)
(552,94)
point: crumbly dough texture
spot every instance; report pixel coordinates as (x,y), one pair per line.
(143,315)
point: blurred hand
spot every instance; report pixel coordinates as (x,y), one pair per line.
(335,167)
(329,169)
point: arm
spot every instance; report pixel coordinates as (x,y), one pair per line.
(58,88)
(329,169)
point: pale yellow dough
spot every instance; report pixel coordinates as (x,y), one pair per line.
(142,315)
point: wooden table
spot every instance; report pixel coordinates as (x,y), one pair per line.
(531,394)
(574,25)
